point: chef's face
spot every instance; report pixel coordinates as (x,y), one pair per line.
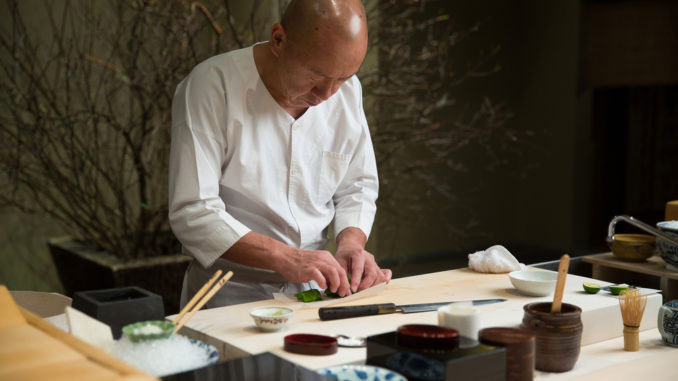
(312,69)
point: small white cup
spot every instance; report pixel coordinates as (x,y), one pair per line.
(462,317)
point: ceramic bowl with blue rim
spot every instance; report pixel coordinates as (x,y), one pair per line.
(667,322)
(361,373)
(212,353)
(667,250)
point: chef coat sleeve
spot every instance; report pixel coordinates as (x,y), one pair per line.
(197,214)
(356,196)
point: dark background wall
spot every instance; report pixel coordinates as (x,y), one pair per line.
(596,83)
(528,205)
(604,140)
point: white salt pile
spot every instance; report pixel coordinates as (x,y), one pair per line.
(161,357)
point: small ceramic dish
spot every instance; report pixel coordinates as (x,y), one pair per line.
(148,330)
(271,318)
(667,250)
(534,282)
(361,372)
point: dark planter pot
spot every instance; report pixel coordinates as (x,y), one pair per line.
(82,268)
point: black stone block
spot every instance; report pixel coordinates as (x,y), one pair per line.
(118,307)
(477,362)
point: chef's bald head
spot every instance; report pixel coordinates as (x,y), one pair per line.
(312,19)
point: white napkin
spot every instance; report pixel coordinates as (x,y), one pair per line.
(496,259)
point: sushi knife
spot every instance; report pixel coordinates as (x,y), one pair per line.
(332,313)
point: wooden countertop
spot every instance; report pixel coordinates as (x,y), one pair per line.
(608,361)
(33,349)
(233,332)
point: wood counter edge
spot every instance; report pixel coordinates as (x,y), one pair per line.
(649,267)
(92,353)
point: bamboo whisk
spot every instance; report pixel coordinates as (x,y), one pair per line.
(632,306)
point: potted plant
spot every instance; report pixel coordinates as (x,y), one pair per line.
(85,130)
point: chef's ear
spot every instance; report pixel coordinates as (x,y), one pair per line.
(278,39)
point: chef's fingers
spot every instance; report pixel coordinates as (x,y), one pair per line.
(318,277)
(344,287)
(339,282)
(357,267)
(386,275)
(332,279)
(369,275)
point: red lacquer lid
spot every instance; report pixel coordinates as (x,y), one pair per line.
(427,336)
(309,344)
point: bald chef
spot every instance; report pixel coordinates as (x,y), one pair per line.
(269,146)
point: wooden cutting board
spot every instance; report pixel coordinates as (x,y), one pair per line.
(88,329)
(233,332)
(33,349)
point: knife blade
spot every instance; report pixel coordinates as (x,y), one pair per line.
(333,313)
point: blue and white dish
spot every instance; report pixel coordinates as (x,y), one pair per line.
(667,322)
(667,250)
(416,366)
(212,353)
(361,373)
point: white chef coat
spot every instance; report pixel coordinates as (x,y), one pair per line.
(239,163)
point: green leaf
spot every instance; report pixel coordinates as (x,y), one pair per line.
(309,296)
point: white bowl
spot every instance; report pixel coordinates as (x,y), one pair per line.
(271,318)
(534,282)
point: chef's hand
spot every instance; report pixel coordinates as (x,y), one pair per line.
(358,262)
(319,265)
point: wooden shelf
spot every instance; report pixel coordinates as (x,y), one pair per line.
(609,268)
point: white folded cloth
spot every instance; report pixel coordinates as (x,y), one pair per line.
(496,259)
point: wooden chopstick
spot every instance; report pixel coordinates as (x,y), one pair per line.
(197,296)
(204,300)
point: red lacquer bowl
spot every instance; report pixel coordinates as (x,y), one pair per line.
(309,344)
(427,336)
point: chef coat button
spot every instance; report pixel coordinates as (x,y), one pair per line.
(293,172)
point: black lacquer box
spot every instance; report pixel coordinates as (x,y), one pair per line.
(118,307)
(477,362)
(262,367)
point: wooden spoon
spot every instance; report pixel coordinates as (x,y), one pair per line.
(560,284)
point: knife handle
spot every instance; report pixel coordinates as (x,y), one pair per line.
(332,313)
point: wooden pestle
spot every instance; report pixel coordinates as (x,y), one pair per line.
(560,284)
